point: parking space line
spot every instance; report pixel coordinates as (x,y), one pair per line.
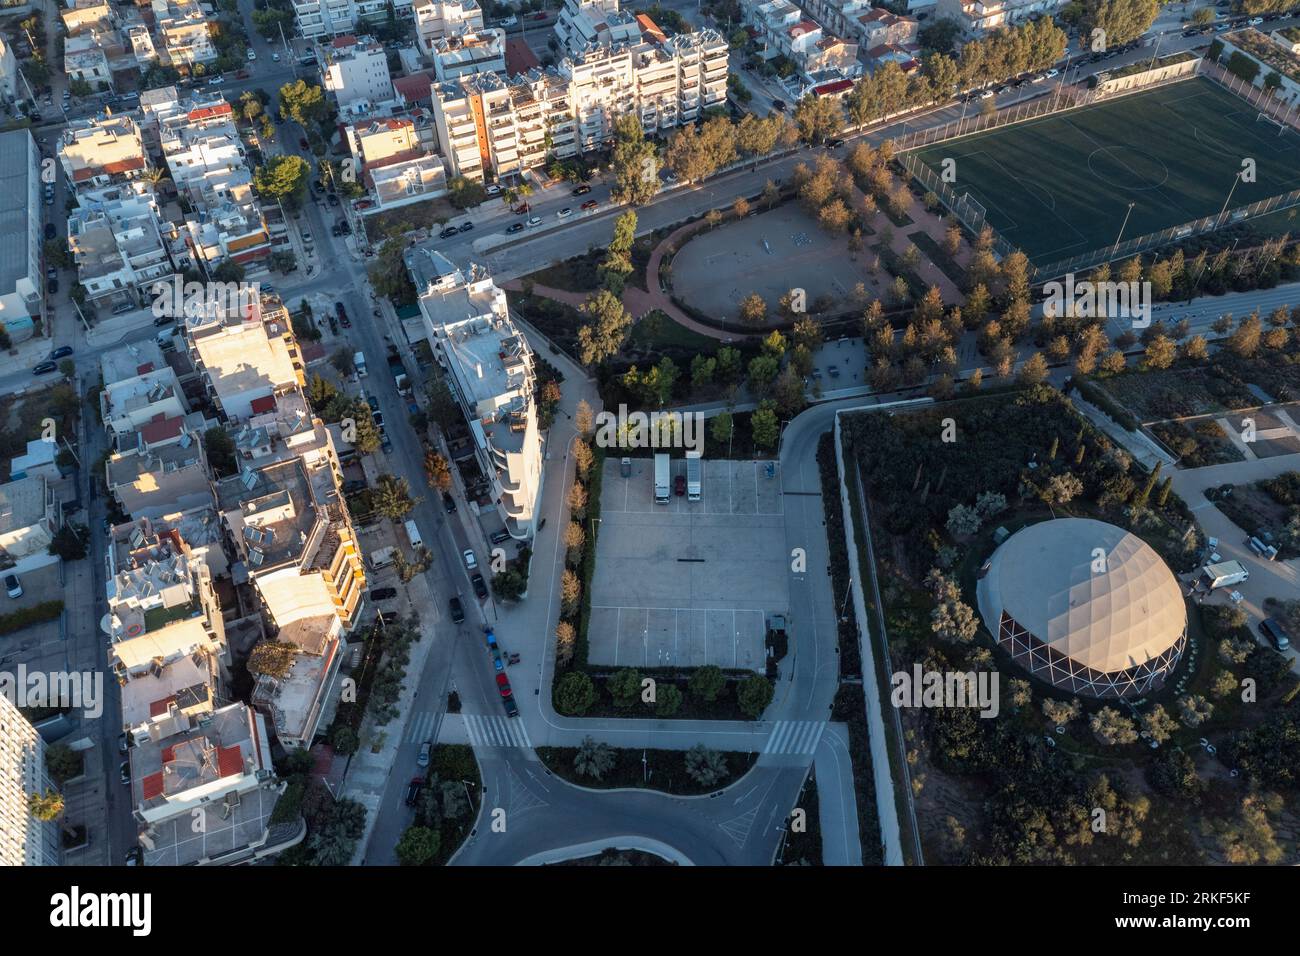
(618,634)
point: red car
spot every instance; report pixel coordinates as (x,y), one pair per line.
(679,485)
(503,685)
(590,204)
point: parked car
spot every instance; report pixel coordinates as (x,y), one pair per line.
(448,503)
(522,209)
(215,81)
(457,611)
(480,586)
(383,594)
(50,231)
(466,227)
(447,233)
(564,213)
(471,562)
(679,486)
(135,856)
(275,57)
(514,227)
(124,772)
(1254,21)
(63,351)
(503,685)
(123,743)
(535,221)
(51,274)
(251,56)
(581,191)
(413,790)
(426,751)
(493,190)
(779,105)
(499,537)
(13,586)
(1271,629)
(44,368)
(590,204)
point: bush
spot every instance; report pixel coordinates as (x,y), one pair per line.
(36,614)
(574,694)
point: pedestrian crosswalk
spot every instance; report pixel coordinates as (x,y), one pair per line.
(481,730)
(795,737)
(496,731)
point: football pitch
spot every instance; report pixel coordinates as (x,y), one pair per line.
(1060,186)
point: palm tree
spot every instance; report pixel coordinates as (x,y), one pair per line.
(706,767)
(593,759)
(392,497)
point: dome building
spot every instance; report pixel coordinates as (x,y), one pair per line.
(1086,606)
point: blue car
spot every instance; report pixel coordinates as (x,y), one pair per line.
(63,351)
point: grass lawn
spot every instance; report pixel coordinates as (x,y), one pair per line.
(1178,392)
(420,215)
(1060,186)
(657,331)
(666,770)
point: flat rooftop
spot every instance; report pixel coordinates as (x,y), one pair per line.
(16,149)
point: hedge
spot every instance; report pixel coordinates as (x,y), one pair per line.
(37,614)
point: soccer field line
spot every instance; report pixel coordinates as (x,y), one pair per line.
(1058,252)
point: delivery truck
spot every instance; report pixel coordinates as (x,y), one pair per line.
(359,361)
(661,479)
(1225,574)
(693,469)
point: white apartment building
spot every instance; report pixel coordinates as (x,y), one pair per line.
(84,59)
(9,82)
(469,53)
(21,270)
(24,840)
(317,19)
(490,370)
(184,36)
(102,150)
(128,404)
(247,360)
(205,157)
(439,19)
(29,519)
(118,245)
(355,70)
(585,24)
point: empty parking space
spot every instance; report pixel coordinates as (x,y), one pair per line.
(690,582)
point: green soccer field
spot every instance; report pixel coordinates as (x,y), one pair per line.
(1059,186)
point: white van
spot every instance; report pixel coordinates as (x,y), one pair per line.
(413,533)
(382,558)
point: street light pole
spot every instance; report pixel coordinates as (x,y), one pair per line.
(1235,179)
(1121,228)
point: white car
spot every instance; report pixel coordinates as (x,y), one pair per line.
(535,221)
(215,81)
(493,190)
(13,586)
(986,94)
(275,57)
(508,21)
(1052,73)
(471,562)
(1255,21)
(564,213)
(251,56)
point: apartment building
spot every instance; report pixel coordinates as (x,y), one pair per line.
(469,53)
(439,19)
(85,60)
(167,636)
(318,19)
(9,83)
(29,519)
(585,24)
(840,17)
(24,840)
(143,48)
(88,18)
(878,27)
(184,35)
(245,358)
(1275,55)
(153,479)
(139,386)
(205,157)
(102,151)
(818,54)
(490,369)
(290,527)
(192,762)
(355,70)
(21,269)
(118,245)
(301,701)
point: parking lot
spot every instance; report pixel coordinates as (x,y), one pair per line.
(690,582)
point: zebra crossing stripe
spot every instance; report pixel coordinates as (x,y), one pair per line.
(495,732)
(795,737)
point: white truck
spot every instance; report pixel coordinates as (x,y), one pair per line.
(661,479)
(1224,574)
(381,558)
(413,533)
(693,469)
(359,360)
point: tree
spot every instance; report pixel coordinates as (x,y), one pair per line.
(283,178)
(753,694)
(574,694)
(721,427)
(1059,713)
(818,118)
(625,687)
(702,369)
(1061,489)
(1158,725)
(604,336)
(583,418)
(763,370)
(963,521)
(392,497)
(437,471)
(570,591)
(954,621)
(46,806)
(583,457)
(618,255)
(1160,352)
(706,767)
(707,683)
(1034,371)
(636,168)
(577,500)
(303,102)
(1244,342)
(753,309)
(668,700)
(1194,710)
(764,427)
(220,449)
(593,759)
(574,538)
(565,636)
(442,406)
(418,846)
(1110,727)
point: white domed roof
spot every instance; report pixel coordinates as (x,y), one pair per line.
(1047,577)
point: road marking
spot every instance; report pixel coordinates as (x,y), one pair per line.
(795,737)
(420,726)
(501,732)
